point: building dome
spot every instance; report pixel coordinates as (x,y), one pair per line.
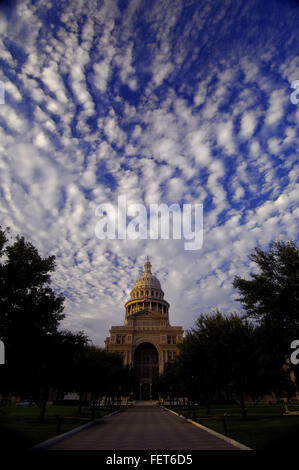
(147,281)
(147,297)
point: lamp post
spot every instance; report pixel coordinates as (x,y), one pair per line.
(192,392)
(119,394)
(170,394)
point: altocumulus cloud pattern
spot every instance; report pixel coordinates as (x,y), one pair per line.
(178,101)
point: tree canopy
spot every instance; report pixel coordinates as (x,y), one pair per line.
(40,355)
(272,294)
(244,354)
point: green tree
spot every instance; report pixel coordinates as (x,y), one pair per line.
(29,309)
(102,373)
(30,313)
(57,366)
(218,358)
(170,383)
(270,297)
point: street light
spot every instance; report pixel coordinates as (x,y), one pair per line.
(192,391)
(119,394)
(170,394)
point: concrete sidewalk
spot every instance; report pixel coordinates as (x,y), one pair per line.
(142,427)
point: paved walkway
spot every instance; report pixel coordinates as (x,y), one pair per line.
(143,427)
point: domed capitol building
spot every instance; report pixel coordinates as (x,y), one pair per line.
(146,340)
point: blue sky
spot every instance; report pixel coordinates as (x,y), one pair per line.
(161,101)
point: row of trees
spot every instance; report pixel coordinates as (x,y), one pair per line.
(39,354)
(228,355)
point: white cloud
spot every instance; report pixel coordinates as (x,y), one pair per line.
(199,147)
(102,71)
(41,140)
(248,123)
(200,96)
(224,137)
(277,103)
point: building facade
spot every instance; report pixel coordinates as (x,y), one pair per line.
(146,340)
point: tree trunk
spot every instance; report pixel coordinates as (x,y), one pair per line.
(80,403)
(242,403)
(193,408)
(42,414)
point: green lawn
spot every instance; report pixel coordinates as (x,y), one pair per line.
(20,427)
(265,429)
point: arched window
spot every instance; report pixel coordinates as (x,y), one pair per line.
(146,292)
(152,292)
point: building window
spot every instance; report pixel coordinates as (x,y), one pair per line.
(171,340)
(120,339)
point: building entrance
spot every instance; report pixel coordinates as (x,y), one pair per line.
(145,392)
(146,366)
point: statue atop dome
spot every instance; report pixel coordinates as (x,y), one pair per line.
(147,266)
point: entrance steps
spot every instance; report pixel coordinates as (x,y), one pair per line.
(145,402)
